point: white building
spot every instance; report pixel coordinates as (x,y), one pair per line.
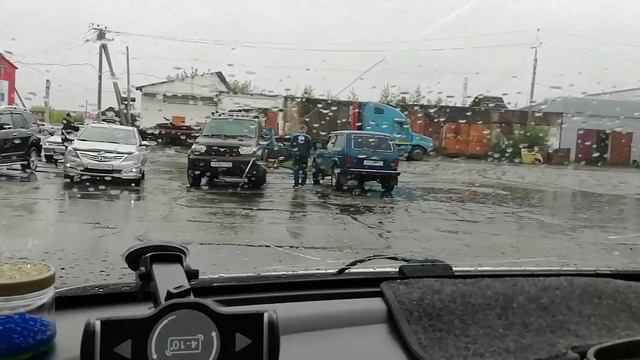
(599,129)
(245,102)
(193,98)
(196,98)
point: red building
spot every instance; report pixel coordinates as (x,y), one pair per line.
(7,81)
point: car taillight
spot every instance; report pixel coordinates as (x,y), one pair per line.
(349,161)
(395,163)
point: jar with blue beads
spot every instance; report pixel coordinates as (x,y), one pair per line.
(27,327)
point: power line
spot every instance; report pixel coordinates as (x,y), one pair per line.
(56,64)
(232,42)
(586,37)
(270,45)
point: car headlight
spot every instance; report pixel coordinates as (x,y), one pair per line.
(197,148)
(71,153)
(133,158)
(247,150)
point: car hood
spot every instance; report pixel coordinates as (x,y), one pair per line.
(101,146)
(54,139)
(216,141)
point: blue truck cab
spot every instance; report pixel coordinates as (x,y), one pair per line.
(357,157)
(389,120)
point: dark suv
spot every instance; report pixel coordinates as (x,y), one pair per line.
(19,142)
(230,149)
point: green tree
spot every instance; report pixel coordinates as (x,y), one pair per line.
(387,95)
(352,96)
(238,87)
(329,95)
(416,97)
(528,137)
(55,116)
(307,92)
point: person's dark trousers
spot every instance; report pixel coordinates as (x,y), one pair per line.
(300,164)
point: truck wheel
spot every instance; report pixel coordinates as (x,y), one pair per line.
(32,160)
(416,153)
(337,180)
(48,158)
(193,179)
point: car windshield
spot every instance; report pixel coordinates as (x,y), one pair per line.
(230,127)
(108,135)
(516,126)
(371,142)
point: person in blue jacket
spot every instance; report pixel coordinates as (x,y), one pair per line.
(300,150)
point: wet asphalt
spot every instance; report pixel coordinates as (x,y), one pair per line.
(466,212)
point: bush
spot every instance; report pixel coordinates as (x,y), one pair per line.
(528,137)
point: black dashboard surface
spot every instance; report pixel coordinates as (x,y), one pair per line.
(438,318)
(340,329)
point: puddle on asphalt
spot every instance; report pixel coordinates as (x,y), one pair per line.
(102,190)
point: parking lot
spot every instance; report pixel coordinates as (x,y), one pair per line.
(466,212)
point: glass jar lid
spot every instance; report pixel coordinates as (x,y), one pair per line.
(25,277)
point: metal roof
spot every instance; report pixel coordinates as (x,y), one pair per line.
(8,61)
(219,74)
(613,92)
(591,107)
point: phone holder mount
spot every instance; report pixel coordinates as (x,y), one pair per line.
(162,269)
(180,327)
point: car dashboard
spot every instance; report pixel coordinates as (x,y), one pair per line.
(422,311)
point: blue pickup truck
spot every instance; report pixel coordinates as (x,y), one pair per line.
(357,157)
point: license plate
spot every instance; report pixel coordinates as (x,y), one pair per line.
(373,163)
(100,166)
(220,164)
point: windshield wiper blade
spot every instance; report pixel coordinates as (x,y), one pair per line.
(413,267)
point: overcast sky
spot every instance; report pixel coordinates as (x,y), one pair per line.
(587,45)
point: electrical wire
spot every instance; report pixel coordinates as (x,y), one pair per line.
(269,45)
(56,64)
(248,42)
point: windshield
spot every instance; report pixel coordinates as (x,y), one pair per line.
(108,135)
(516,123)
(230,127)
(371,143)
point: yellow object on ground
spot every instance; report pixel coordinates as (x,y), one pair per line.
(531,157)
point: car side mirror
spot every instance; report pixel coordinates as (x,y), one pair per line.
(144,143)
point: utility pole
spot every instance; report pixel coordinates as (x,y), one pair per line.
(47,91)
(533,73)
(100,36)
(20,97)
(465,85)
(128,91)
(86,106)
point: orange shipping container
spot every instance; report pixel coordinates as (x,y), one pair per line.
(479,140)
(417,120)
(455,139)
(272,121)
(178,120)
(620,143)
